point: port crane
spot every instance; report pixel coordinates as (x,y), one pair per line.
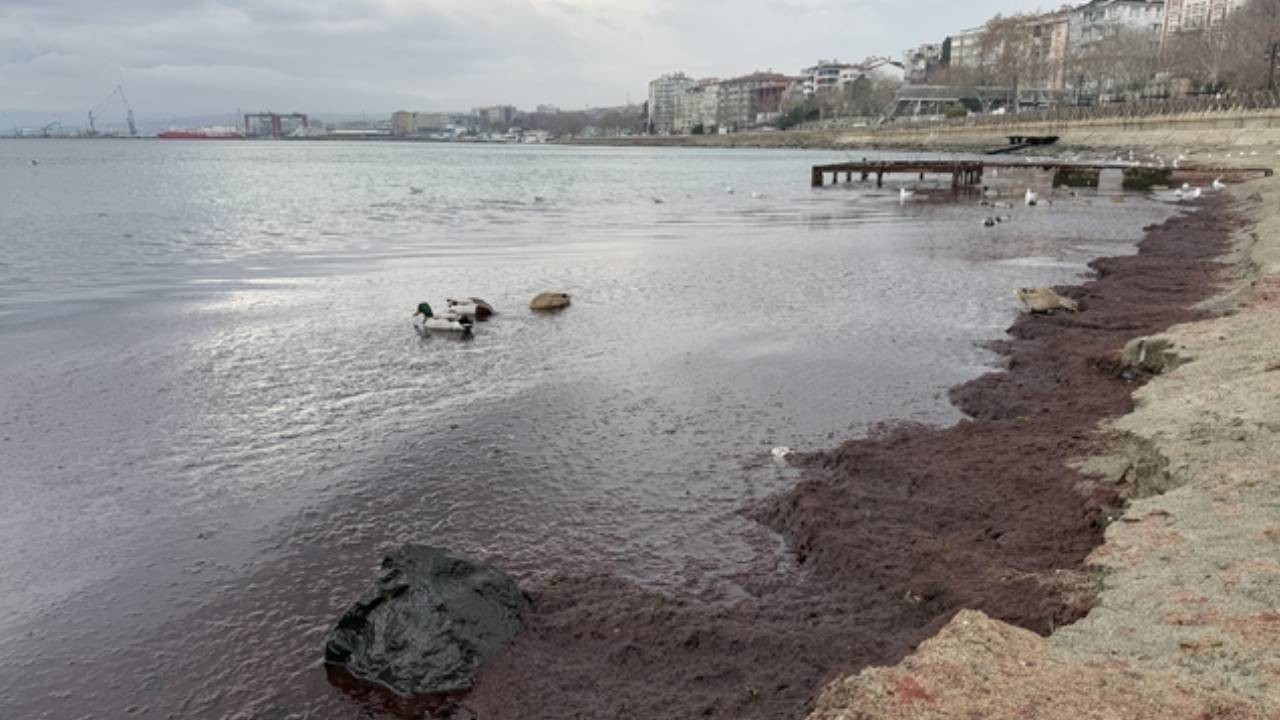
(95,113)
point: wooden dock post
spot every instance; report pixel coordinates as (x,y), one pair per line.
(815,177)
(880,179)
(865,176)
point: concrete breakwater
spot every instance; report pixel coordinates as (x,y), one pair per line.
(1185,624)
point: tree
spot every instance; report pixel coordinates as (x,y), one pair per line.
(1007,51)
(1233,54)
(1120,65)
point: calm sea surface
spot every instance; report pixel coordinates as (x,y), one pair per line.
(215,414)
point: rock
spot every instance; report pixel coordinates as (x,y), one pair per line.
(429,622)
(1044,300)
(550,301)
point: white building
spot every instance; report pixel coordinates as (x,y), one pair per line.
(918,62)
(824,76)
(698,105)
(1099,19)
(963,50)
(662,101)
(1192,15)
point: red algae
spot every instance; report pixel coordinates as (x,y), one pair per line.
(894,533)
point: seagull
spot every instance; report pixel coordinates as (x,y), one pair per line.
(1219,185)
(658,201)
(1194,194)
(415,190)
(35,163)
(1031,198)
(781,453)
(728,190)
(1186,187)
(904,194)
(757,196)
(989,222)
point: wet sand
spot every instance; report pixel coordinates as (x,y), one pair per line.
(894,534)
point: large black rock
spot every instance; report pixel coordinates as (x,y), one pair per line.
(428,623)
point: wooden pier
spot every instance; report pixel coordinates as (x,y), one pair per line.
(966,173)
(963,172)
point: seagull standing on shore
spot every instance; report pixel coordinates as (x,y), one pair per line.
(904,195)
(1031,198)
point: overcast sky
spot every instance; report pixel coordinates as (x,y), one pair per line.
(194,57)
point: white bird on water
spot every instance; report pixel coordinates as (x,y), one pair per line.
(904,195)
(1186,187)
(781,453)
(728,189)
(1031,198)
(757,196)
(1219,185)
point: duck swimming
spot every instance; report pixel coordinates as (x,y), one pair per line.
(449,322)
(472,307)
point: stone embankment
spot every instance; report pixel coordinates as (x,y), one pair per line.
(1187,622)
(1251,128)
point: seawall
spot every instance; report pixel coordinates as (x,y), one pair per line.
(1200,130)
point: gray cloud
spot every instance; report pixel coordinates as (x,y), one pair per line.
(180,57)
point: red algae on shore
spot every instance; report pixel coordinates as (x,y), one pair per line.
(894,533)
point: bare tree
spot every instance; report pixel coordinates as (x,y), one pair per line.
(1007,52)
(1232,55)
(1118,66)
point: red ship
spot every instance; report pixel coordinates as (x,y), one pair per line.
(205,134)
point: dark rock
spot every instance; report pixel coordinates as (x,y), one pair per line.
(428,623)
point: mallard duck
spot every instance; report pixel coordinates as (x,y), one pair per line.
(472,307)
(449,322)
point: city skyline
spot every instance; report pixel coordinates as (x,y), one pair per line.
(191,58)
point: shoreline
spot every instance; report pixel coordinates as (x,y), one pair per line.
(1185,624)
(895,533)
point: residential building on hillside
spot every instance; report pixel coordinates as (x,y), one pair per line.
(1099,19)
(752,99)
(662,101)
(919,62)
(698,106)
(1047,40)
(826,75)
(1192,15)
(1050,46)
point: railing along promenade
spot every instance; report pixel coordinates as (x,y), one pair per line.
(1225,104)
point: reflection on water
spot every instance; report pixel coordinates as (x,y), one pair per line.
(214,414)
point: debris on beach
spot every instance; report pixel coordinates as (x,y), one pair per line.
(1044,300)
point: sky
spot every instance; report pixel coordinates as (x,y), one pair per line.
(180,58)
